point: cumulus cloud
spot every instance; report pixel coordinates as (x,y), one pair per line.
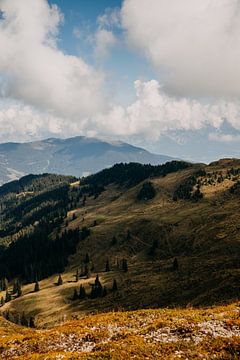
(36,71)
(105,39)
(195,45)
(155,113)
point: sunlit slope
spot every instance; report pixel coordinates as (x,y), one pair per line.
(203,235)
(211,333)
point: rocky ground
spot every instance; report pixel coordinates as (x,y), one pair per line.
(212,333)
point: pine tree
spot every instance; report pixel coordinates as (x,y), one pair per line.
(87,271)
(124,265)
(60,280)
(87,259)
(77,275)
(15,286)
(2,303)
(114,241)
(175,264)
(82,292)
(31,322)
(24,321)
(36,286)
(8,297)
(5,284)
(114,287)
(104,292)
(75,294)
(19,289)
(107,268)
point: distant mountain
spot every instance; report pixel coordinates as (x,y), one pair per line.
(77,156)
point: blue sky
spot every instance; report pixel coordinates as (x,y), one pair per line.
(159,74)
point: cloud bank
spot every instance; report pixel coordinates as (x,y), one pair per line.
(36,71)
(195,45)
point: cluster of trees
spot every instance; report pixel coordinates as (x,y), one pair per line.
(186,191)
(147,191)
(97,290)
(37,255)
(20,319)
(133,173)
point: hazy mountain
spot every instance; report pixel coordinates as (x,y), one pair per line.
(76,156)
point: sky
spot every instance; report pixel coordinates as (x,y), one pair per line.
(161,74)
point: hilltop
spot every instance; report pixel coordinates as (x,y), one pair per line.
(76,156)
(176,226)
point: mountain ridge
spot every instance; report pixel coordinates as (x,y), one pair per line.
(77,156)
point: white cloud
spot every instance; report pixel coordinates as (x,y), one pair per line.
(225,138)
(110,18)
(195,45)
(36,71)
(105,39)
(155,113)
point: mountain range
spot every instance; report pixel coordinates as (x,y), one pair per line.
(77,156)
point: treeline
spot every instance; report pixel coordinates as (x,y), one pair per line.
(36,255)
(34,183)
(133,173)
(186,189)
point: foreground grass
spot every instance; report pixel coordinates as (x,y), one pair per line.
(212,333)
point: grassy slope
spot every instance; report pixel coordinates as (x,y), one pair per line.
(204,236)
(211,333)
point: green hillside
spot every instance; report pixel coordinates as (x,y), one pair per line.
(169,236)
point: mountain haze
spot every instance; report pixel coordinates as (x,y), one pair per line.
(77,156)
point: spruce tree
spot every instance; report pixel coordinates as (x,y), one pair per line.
(31,322)
(104,291)
(8,297)
(114,287)
(124,265)
(77,275)
(175,264)
(87,258)
(82,292)
(19,289)
(107,267)
(75,294)
(36,286)
(2,303)
(60,280)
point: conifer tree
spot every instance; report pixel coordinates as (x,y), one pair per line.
(107,267)
(24,321)
(175,264)
(104,291)
(2,303)
(124,265)
(75,294)
(8,296)
(114,287)
(19,289)
(87,258)
(36,286)
(77,275)
(31,322)
(60,280)
(82,292)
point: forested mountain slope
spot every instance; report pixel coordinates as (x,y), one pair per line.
(168,235)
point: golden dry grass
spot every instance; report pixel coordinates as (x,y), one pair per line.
(211,333)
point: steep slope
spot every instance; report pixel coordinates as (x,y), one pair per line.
(75,156)
(192,216)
